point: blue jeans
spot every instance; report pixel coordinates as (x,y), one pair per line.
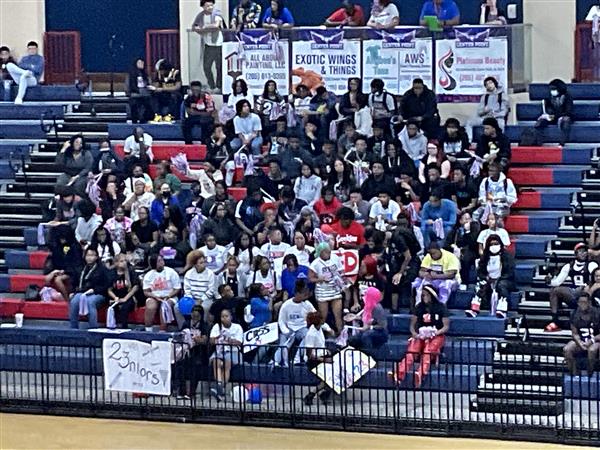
(94,301)
(256,144)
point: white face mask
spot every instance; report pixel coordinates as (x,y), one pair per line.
(554,93)
(495,249)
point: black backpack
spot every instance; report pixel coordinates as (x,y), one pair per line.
(530,138)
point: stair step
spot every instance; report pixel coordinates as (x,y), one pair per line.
(547,378)
(517,406)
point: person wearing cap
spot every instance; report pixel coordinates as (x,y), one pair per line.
(585,330)
(569,283)
(439,268)
(495,279)
(428,326)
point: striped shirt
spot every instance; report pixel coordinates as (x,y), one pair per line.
(330,270)
(200,286)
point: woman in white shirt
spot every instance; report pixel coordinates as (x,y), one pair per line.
(326,271)
(386,17)
(264,274)
(227,337)
(495,228)
(302,251)
(245,251)
(240,92)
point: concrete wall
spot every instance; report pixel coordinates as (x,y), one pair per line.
(22,21)
(553,43)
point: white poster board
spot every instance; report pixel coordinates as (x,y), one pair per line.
(134,366)
(346,368)
(260,336)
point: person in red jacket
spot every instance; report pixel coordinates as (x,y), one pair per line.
(348,233)
(327,206)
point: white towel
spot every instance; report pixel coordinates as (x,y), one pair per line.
(438,228)
(166,312)
(111,321)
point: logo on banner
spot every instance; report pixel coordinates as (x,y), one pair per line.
(445,63)
(260,42)
(472,39)
(399,40)
(324,42)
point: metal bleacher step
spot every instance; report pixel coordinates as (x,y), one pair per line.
(47,187)
(37,177)
(14,207)
(101,107)
(527,359)
(519,391)
(517,406)
(538,334)
(525,377)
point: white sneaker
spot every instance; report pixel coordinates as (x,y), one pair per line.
(18,101)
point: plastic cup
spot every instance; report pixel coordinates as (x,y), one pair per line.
(19,319)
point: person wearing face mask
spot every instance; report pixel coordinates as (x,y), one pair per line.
(495,279)
(162,201)
(557,110)
(493,103)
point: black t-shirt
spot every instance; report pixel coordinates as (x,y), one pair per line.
(119,285)
(588,324)
(430,315)
(144,233)
(464,195)
(235,305)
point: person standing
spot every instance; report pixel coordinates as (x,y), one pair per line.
(208,24)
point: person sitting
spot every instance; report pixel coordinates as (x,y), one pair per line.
(138,150)
(260,308)
(106,248)
(161,286)
(438,217)
(239,91)
(454,141)
(557,110)
(64,264)
(434,182)
(90,291)
(246,15)
(293,157)
(144,232)
(270,106)
(122,292)
(262,273)
(495,279)
(446,12)
(358,205)
(497,193)
(292,321)
(172,247)
(386,16)
(199,283)
(495,227)
(493,103)
(348,233)
(139,90)
(28,72)
(428,327)
(349,15)
(327,206)
(315,354)
(373,334)
(220,226)
(585,330)
(377,181)
(382,103)
(463,243)
(277,16)
(215,254)
(396,161)
(593,287)
(463,193)
(569,283)
(420,105)
(166,95)
(107,161)
(87,222)
(227,299)
(491,14)
(384,212)
(199,111)
(75,163)
(163,200)
(234,277)
(139,198)
(439,268)
(435,155)
(291,273)
(248,129)
(301,102)
(493,145)
(352,100)
(414,141)
(227,338)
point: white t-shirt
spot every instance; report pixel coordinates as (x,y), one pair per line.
(244,258)
(386,15)
(132,147)
(594,11)
(247,126)
(234,331)
(234,99)
(315,339)
(330,270)
(271,282)
(274,251)
(500,232)
(215,258)
(292,315)
(494,267)
(390,213)
(303,256)
(161,283)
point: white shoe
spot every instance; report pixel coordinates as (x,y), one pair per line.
(18,101)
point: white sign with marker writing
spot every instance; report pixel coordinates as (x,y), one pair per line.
(264,335)
(134,366)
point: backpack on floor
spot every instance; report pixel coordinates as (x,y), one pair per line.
(530,138)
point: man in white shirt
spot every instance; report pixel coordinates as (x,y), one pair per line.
(384,212)
(292,321)
(137,199)
(138,149)
(208,24)
(247,128)
(274,248)
(161,286)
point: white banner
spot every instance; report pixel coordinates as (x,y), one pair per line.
(324,57)
(256,58)
(349,259)
(134,366)
(465,61)
(260,336)
(397,57)
(346,368)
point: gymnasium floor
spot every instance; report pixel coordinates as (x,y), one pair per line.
(42,432)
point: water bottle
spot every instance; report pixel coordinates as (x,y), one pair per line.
(90,88)
(7,85)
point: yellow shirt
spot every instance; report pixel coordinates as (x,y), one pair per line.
(447,262)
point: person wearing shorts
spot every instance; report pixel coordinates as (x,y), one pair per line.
(569,284)
(227,337)
(326,272)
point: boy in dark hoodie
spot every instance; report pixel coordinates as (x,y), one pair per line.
(558,107)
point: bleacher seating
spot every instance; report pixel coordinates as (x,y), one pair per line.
(579,91)
(160,132)
(31,111)
(45,93)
